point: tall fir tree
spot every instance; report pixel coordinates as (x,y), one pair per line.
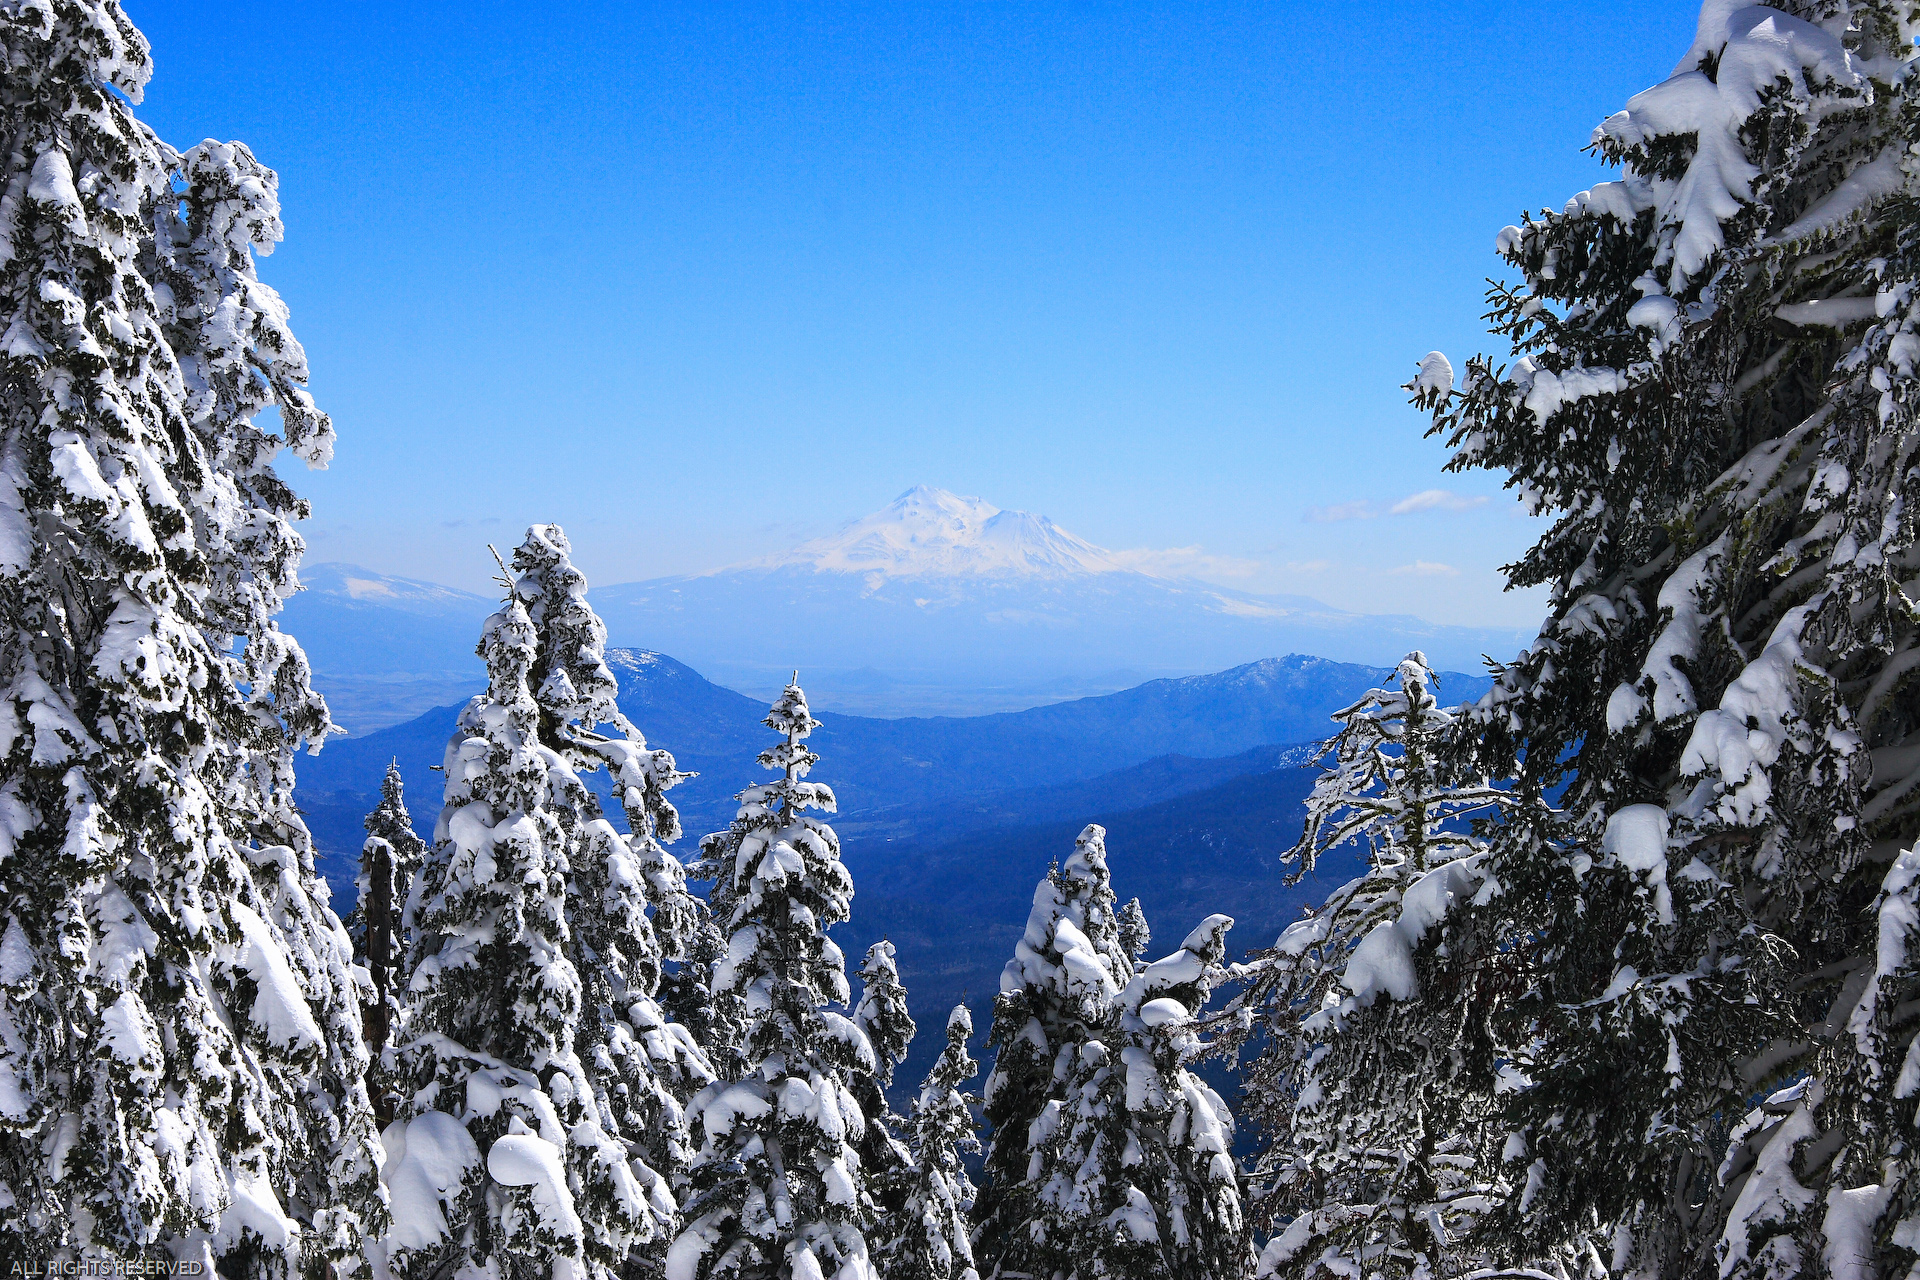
(180,1058)
(629,912)
(929,1235)
(1713,396)
(1055,995)
(777,1186)
(538,1131)
(1371,1116)
(390,858)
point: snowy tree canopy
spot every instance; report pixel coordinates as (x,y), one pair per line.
(1109,1156)
(1371,1158)
(927,1234)
(180,1058)
(1131,1161)
(1713,398)
(540,1125)
(1057,991)
(777,1183)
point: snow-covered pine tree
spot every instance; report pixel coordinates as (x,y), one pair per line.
(1135,936)
(777,1188)
(715,1019)
(1057,992)
(928,1235)
(540,1131)
(882,1016)
(180,1058)
(391,856)
(882,1011)
(1714,395)
(1372,1112)
(628,905)
(1132,1161)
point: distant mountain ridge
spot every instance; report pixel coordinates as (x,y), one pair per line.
(385,648)
(947,823)
(936,603)
(954,588)
(882,769)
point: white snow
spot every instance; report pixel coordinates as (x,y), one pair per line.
(1755,47)
(1772,1193)
(1741,739)
(1831,313)
(254,1207)
(279,1006)
(1383,961)
(1637,837)
(525,1160)
(52,184)
(1161,1012)
(427,1161)
(1680,594)
(1544,392)
(1436,373)
(731,1104)
(1852,1215)
(1136,1217)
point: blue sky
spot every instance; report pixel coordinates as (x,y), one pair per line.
(701,280)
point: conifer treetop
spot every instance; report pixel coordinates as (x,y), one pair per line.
(777,1186)
(882,1011)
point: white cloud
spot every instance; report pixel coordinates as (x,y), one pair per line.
(1186,562)
(1436,500)
(1425,500)
(1360,509)
(1428,569)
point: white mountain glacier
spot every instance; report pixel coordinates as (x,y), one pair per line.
(930,533)
(941,590)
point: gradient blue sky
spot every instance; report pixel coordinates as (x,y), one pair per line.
(700,280)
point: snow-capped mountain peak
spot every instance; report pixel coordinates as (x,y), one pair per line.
(931,533)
